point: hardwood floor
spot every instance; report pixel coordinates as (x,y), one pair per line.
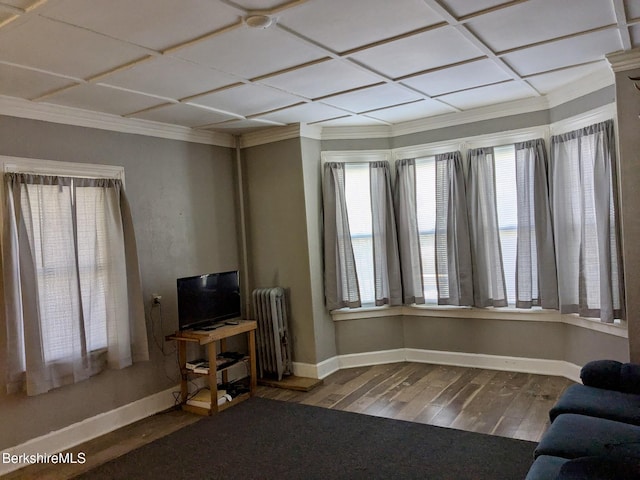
(509,404)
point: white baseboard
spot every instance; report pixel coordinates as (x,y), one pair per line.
(90,428)
(473,360)
(320,370)
(541,366)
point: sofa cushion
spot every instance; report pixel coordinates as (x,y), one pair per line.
(545,467)
(599,468)
(630,378)
(612,375)
(597,402)
(572,436)
(601,374)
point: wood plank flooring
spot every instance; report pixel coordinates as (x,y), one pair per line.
(508,404)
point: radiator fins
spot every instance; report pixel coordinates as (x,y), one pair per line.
(272,338)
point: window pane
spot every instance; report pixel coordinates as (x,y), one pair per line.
(507,207)
(358,197)
(426,206)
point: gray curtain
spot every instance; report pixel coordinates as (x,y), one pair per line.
(454,272)
(388,286)
(583,193)
(72,285)
(408,233)
(489,289)
(536,275)
(340,276)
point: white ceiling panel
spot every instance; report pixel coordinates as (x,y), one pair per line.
(240,126)
(469,75)
(247,99)
(372,98)
(435,48)
(104,99)
(61,48)
(632,8)
(259,5)
(320,61)
(540,20)
(183,114)
(351,121)
(460,8)
(490,95)
(411,111)
(635,35)
(254,52)
(306,113)
(548,82)
(572,51)
(342,25)
(170,77)
(336,75)
(28,84)
(156,24)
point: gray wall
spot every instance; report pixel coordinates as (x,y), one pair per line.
(511,338)
(628,104)
(324,331)
(182,200)
(277,234)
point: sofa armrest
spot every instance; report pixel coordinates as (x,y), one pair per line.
(612,375)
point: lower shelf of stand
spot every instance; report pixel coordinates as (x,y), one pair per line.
(207,411)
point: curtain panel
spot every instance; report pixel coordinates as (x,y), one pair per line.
(388,284)
(340,276)
(583,203)
(408,232)
(489,288)
(536,274)
(72,284)
(454,269)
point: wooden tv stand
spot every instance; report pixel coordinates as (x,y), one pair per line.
(209,338)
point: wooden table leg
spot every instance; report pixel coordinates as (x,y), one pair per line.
(252,361)
(182,361)
(213,376)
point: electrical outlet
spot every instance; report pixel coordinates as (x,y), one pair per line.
(155,299)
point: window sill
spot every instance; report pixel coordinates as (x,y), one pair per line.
(619,328)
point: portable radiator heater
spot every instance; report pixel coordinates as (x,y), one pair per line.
(273,348)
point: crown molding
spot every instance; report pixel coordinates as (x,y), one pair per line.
(270,135)
(592,83)
(17,107)
(437,122)
(351,133)
(626,60)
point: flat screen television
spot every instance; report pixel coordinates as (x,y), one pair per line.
(204,300)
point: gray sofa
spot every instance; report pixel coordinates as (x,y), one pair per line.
(595,427)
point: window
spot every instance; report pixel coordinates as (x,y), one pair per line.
(358,197)
(506,226)
(361,246)
(506,204)
(426,212)
(57,272)
(72,285)
(507,208)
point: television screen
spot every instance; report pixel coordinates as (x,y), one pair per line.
(206,299)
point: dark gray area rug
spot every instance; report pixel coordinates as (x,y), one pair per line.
(269,439)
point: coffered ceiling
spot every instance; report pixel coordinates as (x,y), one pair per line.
(196,63)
